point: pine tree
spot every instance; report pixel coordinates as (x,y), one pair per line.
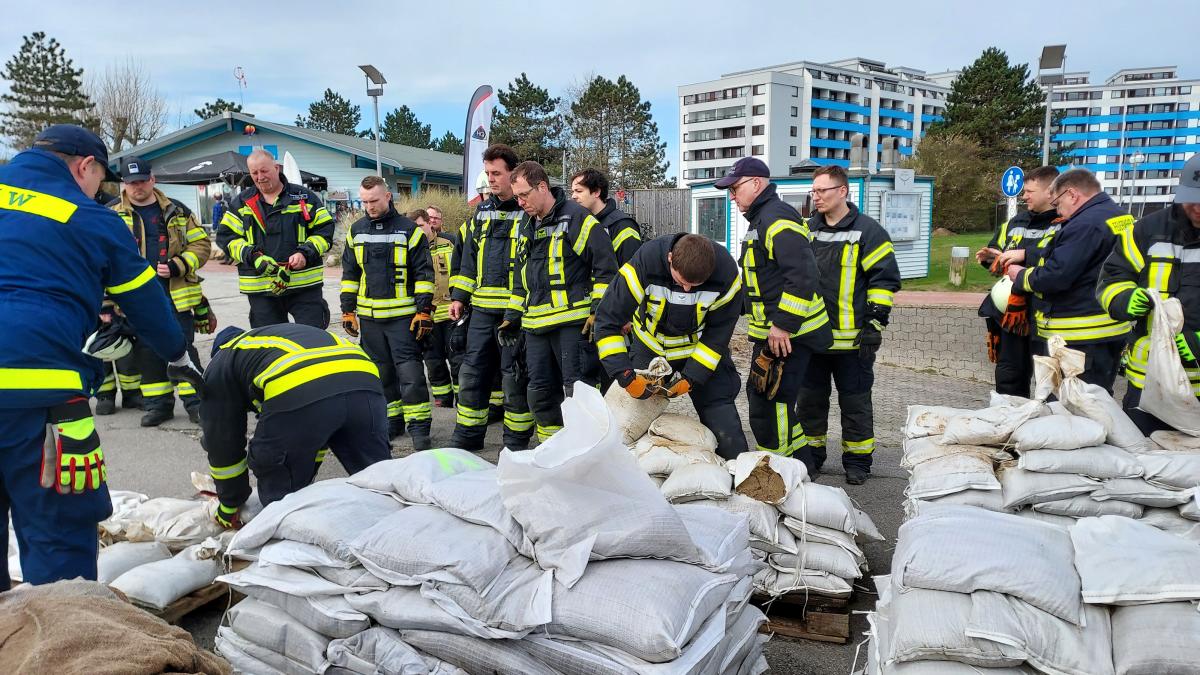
(213,108)
(449,143)
(332,113)
(46,89)
(612,130)
(528,120)
(402,126)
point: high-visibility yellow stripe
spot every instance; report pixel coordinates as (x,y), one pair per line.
(423,287)
(265,342)
(878,254)
(227,472)
(195,234)
(286,383)
(137,282)
(470,417)
(633,283)
(846,286)
(349,286)
(623,236)
(1111,291)
(880,296)
(859,447)
(780,226)
(518,422)
(613,344)
(283,363)
(37,203)
(319,243)
(157,388)
(585,231)
(705,356)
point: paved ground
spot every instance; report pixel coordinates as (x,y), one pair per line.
(158,462)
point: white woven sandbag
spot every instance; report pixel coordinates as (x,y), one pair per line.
(580,495)
(822,505)
(929,420)
(823,535)
(159,583)
(964,549)
(290,553)
(920,450)
(990,426)
(268,626)
(784,542)
(930,625)
(820,557)
(1175,441)
(1102,462)
(123,556)
(518,601)
(675,430)
(1170,520)
(1058,432)
(1084,506)
(1158,639)
(244,655)
(329,615)
(865,529)
(1168,392)
(697,481)
(1191,508)
(648,608)
(1049,644)
(1172,469)
(1093,402)
(951,473)
(660,460)
(407,608)
(328,513)
(992,500)
(356,577)
(474,496)
(295,581)
(723,537)
(633,416)
(409,477)
(1127,562)
(1138,491)
(766,476)
(762,519)
(773,582)
(1061,522)
(1022,488)
(475,655)
(380,651)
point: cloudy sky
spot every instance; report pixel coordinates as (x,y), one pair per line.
(435,54)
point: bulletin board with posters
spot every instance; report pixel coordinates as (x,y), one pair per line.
(901,215)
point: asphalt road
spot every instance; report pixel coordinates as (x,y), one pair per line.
(159,461)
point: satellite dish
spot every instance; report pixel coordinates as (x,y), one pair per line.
(291,170)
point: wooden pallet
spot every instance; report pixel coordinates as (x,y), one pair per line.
(807,616)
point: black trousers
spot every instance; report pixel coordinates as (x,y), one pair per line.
(284,449)
(476,377)
(441,364)
(854,377)
(1146,423)
(1014,362)
(396,352)
(556,357)
(305,305)
(158,389)
(1102,360)
(773,420)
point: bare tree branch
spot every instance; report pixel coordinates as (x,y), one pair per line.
(130,107)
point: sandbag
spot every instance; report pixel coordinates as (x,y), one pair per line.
(1022,488)
(675,430)
(1104,461)
(722,537)
(1175,441)
(158,584)
(1093,402)
(762,519)
(580,495)
(251,659)
(409,477)
(992,500)
(474,655)
(1158,639)
(1128,562)
(919,450)
(1190,509)
(329,615)
(518,601)
(356,577)
(1177,470)
(380,651)
(990,426)
(1061,522)
(1084,506)
(123,556)
(660,460)
(766,476)
(964,549)
(773,582)
(407,608)
(931,625)
(474,496)
(1058,432)
(1048,643)
(822,505)
(1139,491)
(951,473)
(1170,520)
(274,629)
(298,554)
(825,535)
(930,420)
(296,581)
(697,481)
(820,557)
(633,416)
(1168,393)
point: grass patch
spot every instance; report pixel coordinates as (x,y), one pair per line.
(978,278)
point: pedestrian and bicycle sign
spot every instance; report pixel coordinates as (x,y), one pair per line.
(1013,181)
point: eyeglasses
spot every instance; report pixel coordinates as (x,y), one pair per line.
(524,196)
(733,188)
(1056,198)
(824,190)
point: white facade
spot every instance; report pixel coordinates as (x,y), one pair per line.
(788,113)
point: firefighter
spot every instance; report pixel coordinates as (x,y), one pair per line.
(172,241)
(859,276)
(277,233)
(1159,254)
(483,280)
(440,366)
(787,319)
(387,294)
(65,252)
(685,296)
(312,392)
(119,375)
(567,262)
(1010,343)
(1062,273)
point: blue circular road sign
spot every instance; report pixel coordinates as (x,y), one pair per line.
(1013,181)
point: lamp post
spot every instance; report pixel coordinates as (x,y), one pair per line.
(1135,160)
(374,77)
(1054,58)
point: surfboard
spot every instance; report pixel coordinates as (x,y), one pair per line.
(291,170)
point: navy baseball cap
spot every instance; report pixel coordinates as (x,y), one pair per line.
(746,167)
(1188,190)
(70,139)
(134,168)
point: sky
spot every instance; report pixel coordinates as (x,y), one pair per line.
(434,55)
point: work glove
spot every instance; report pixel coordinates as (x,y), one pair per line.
(283,277)
(636,384)
(993,347)
(1140,303)
(1187,348)
(508,333)
(184,369)
(203,318)
(588,331)
(766,373)
(421,325)
(350,323)
(228,517)
(458,336)
(265,264)
(72,460)
(1016,315)
(681,387)
(869,339)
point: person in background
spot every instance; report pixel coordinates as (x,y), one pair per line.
(441,366)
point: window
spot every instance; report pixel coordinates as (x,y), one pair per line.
(792,151)
(711,218)
(793,132)
(795,111)
(758,130)
(1115,110)
(760,89)
(758,150)
(759,109)
(715,114)
(795,92)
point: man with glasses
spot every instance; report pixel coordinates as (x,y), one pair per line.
(859,276)
(1062,272)
(788,321)
(1160,254)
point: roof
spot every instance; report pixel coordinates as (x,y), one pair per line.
(401,157)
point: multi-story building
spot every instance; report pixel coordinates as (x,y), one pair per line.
(1134,130)
(792,112)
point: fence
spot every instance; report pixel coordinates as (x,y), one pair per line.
(661,211)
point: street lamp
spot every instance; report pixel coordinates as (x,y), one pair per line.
(374,77)
(1054,58)
(1135,160)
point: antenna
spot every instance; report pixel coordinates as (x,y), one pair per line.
(240,76)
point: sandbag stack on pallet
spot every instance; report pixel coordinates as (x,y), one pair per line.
(563,559)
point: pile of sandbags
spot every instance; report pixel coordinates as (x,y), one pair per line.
(562,559)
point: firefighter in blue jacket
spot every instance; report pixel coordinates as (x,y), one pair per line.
(65,252)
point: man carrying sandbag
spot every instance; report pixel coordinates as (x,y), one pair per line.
(1062,272)
(313,392)
(1159,254)
(685,296)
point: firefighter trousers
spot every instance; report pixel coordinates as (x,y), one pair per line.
(158,391)
(441,364)
(773,420)
(854,376)
(305,305)
(396,352)
(1014,361)
(558,358)
(485,358)
(121,374)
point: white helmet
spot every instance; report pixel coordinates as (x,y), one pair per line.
(1001,291)
(481,184)
(109,343)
